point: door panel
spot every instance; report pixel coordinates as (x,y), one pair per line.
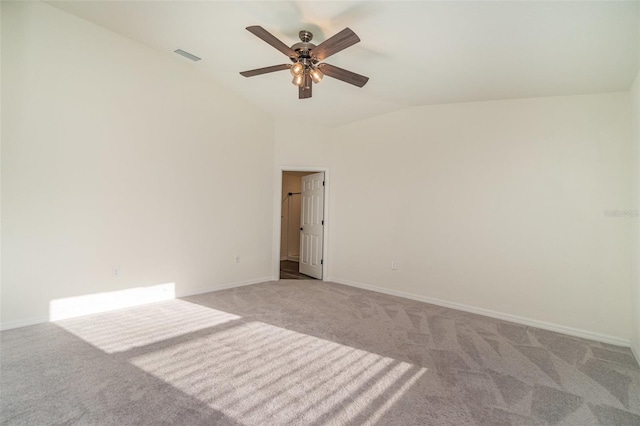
(311,225)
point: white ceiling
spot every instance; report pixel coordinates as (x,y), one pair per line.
(415,53)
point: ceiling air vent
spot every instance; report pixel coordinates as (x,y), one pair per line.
(187,55)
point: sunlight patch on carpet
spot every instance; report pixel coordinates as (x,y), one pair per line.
(141,326)
(251,371)
(255,372)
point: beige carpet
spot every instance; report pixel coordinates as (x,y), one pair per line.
(312,353)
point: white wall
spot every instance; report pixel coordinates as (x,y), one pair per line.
(294,148)
(493,205)
(115,155)
(0,162)
(635,117)
(635,123)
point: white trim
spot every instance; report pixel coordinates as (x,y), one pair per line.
(293,258)
(41,320)
(223,286)
(585,334)
(8,325)
(636,353)
(277,203)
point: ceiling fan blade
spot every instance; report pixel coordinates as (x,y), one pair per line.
(305,90)
(333,45)
(344,75)
(265,70)
(265,35)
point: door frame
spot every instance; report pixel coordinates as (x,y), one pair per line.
(277,209)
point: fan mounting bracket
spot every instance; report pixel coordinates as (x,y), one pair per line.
(305,36)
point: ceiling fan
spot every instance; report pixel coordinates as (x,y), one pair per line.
(307,67)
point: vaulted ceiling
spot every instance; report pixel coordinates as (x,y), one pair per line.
(415,53)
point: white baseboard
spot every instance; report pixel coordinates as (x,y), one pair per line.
(8,325)
(293,258)
(635,350)
(585,334)
(223,286)
(453,305)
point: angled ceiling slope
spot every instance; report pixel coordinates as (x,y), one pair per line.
(416,53)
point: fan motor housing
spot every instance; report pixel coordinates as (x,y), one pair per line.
(303,48)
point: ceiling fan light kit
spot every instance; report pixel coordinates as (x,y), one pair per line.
(308,68)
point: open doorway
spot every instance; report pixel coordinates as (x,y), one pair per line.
(301,245)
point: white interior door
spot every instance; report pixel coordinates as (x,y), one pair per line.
(311,225)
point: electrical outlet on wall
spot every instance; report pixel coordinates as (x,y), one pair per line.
(116,271)
(394,265)
(237,258)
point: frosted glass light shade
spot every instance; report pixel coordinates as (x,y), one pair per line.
(298,80)
(297,69)
(316,75)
